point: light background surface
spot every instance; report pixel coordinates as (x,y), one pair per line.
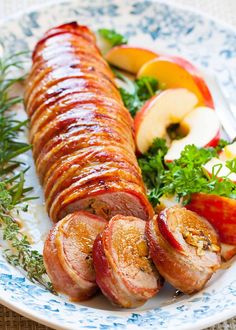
(223,10)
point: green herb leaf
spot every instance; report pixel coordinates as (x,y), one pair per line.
(153,167)
(184,176)
(131,101)
(231,164)
(221,144)
(146,87)
(12,183)
(139,92)
(113,37)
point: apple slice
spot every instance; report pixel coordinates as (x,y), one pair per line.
(129,58)
(166,108)
(203,129)
(172,72)
(220,211)
(167,201)
(228,251)
(220,169)
(229,152)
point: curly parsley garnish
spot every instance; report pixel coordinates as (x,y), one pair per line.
(153,167)
(113,37)
(13,193)
(137,92)
(184,176)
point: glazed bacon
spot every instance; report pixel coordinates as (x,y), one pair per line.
(184,247)
(124,271)
(80,130)
(68,254)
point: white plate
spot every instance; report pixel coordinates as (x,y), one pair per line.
(206,43)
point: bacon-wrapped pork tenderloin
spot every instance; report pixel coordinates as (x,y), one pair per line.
(124,271)
(68,254)
(80,130)
(184,247)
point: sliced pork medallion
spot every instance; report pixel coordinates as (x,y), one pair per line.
(184,247)
(105,197)
(68,254)
(75,108)
(124,270)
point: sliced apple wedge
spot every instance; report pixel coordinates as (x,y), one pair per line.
(229,152)
(168,107)
(167,201)
(228,251)
(219,211)
(203,129)
(172,72)
(129,58)
(218,167)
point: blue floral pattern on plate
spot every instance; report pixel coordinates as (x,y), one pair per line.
(206,43)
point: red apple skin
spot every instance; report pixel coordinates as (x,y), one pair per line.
(142,112)
(197,78)
(166,233)
(228,251)
(139,118)
(214,142)
(219,211)
(140,115)
(219,178)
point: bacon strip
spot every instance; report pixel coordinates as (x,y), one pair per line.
(80,130)
(68,254)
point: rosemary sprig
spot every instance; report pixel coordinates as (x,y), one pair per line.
(10,147)
(13,193)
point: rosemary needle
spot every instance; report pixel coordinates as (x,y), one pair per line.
(13,193)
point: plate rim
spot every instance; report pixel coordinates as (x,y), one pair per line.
(25,310)
(179,6)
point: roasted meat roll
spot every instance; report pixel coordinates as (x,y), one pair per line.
(80,130)
(68,254)
(124,271)
(184,247)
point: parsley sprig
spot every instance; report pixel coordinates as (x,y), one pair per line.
(153,167)
(137,91)
(13,193)
(186,175)
(113,37)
